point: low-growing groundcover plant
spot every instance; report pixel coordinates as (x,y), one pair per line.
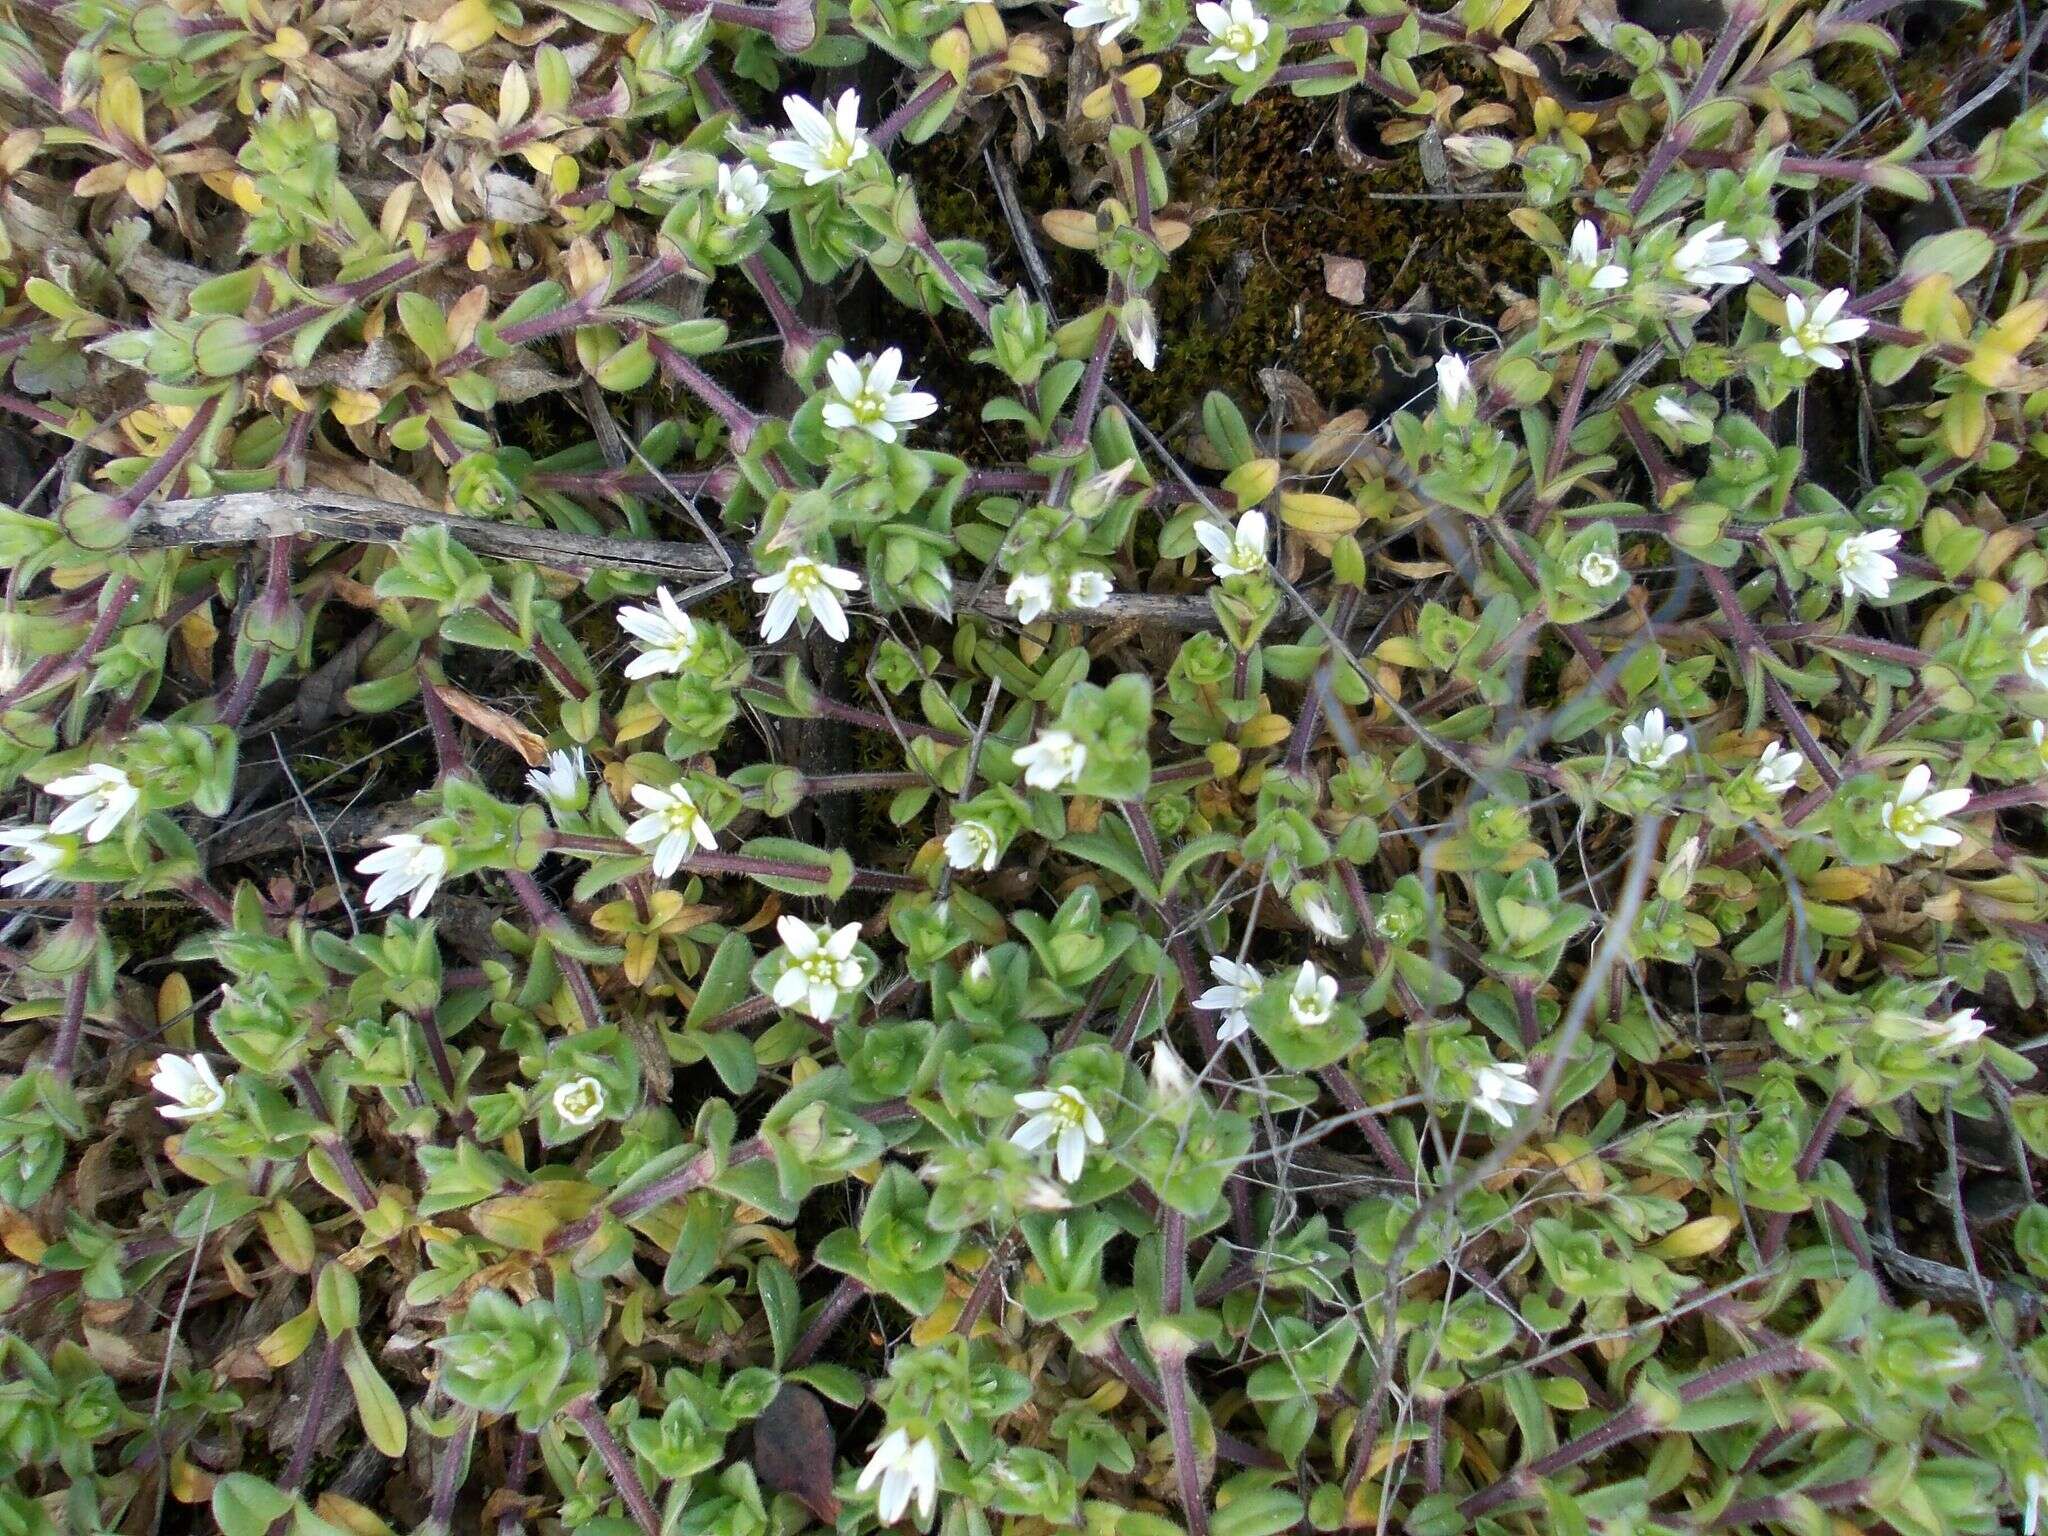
(833,961)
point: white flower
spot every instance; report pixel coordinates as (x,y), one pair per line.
(871,398)
(1914,815)
(1453,380)
(1777,771)
(1955,1031)
(664,173)
(1957,1360)
(1791,1018)
(805,585)
(824,147)
(1062,1113)
(1312,998)
(561,782)
(2034,655)
(1137,324)
(100,797)
(1115,17)
(1863,565)
(1648,744)
(1813,335)
(673,827)
(43,857)
(821,965)
(1496,1086)
(1674,412)
(1242,553)
(2036,1482)
(742,192)
(904,1468)
(1053,761)
(1088,588)
(1238,33)
(1587,257)
(972,845)
(1030,595)
(2038,730)
(1706,259)
(666,635)
(1323,918)
(1170,1077)
(406,863)
(1597,568)
(188,1082)
(1238,988)
(580,1102)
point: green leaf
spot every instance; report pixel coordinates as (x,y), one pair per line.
(376,1404)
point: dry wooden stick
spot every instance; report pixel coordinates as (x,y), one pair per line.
(323,514)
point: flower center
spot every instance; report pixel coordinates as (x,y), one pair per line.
(821,970)
(1067,1109)
(1238,38)
(803,576)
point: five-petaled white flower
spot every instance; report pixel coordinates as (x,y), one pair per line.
(1674,412)
(1777,771)
(1453,380)
(1496,1086)
(100,797)
(579,1102)
(821,966)
(673,827)
(1031,595)
(406,863)
(2034,655)
(1649,743)
(1238,552)
(1312,998)
(1597,568)
(188,1082)
(1914,815)
(1604,275)
(1087,588)
(561,783)
(43,857)
(1863,563)
(666,635)
(1053,761)
(1064,1114)
(905,1468)
(1238,33)
(972,845)
(1955,1031)
(742,192)
(1812,334)
(805,585)
(872,399)
(1115,17)
(1238,987)
(1707,258)
(824,147)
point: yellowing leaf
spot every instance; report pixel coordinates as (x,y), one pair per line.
(288,1340)
(465,26)
(1694,1238)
